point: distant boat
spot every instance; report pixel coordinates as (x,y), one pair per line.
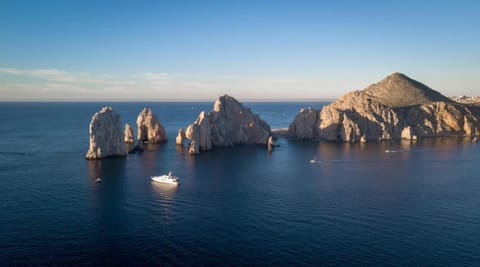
(167,179)
(98,180)
(312,161)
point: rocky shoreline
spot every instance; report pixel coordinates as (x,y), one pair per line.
(397,107)
(228,124)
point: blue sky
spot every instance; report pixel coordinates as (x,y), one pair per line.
(197,50)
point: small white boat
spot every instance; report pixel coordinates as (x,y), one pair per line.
(167,179)
(98,180)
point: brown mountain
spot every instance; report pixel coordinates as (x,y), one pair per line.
(396,107)
(398,90)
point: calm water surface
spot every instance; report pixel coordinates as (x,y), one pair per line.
(353,205)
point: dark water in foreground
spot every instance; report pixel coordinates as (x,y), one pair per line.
(355,205)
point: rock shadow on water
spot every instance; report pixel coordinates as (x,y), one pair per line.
(109,198)
(109,170)
(146,146)
(111,190)
(225,164)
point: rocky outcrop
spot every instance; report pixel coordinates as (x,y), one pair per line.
(270,144)
(106,135)
(129,138)
(180,137)
(397,107)
(407,133)
(229,123)
(441,119)
(149,128)
(356,116)
(304,126)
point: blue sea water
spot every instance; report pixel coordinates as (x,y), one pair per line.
(307,203)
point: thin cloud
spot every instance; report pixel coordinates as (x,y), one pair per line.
(61,76)
(45,84)
(46,74)
(156,76)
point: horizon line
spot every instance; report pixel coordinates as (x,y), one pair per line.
(160,100)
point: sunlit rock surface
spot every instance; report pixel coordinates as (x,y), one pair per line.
(229,123)
(106,135)
(396,107)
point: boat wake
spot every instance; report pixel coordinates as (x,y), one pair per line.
(393,151)
(315,161)
(405,150)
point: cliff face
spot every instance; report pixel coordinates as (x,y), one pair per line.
(442,119)
(305,124)
(396,107)
(106,135)
(356,117)
(229,123)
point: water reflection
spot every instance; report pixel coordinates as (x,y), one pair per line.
(94,168)
(388,165)
(180,148)
(109,196)
(148,161)
(165,191)
(109,169)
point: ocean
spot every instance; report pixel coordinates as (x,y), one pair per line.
(308,203)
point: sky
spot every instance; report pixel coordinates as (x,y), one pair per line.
(252,50)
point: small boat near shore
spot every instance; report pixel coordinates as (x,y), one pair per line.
(166,179)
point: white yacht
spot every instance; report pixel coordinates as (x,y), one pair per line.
(167,179)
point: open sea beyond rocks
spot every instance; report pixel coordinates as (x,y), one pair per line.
(354,204)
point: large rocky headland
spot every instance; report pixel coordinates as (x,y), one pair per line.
(397,107)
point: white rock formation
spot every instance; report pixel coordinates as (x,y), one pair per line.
(129,138)
(180,137)
(407,133)
(270,144)
(106,135)
(149,128)
(228,124)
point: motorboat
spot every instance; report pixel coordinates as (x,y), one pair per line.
(166,178)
